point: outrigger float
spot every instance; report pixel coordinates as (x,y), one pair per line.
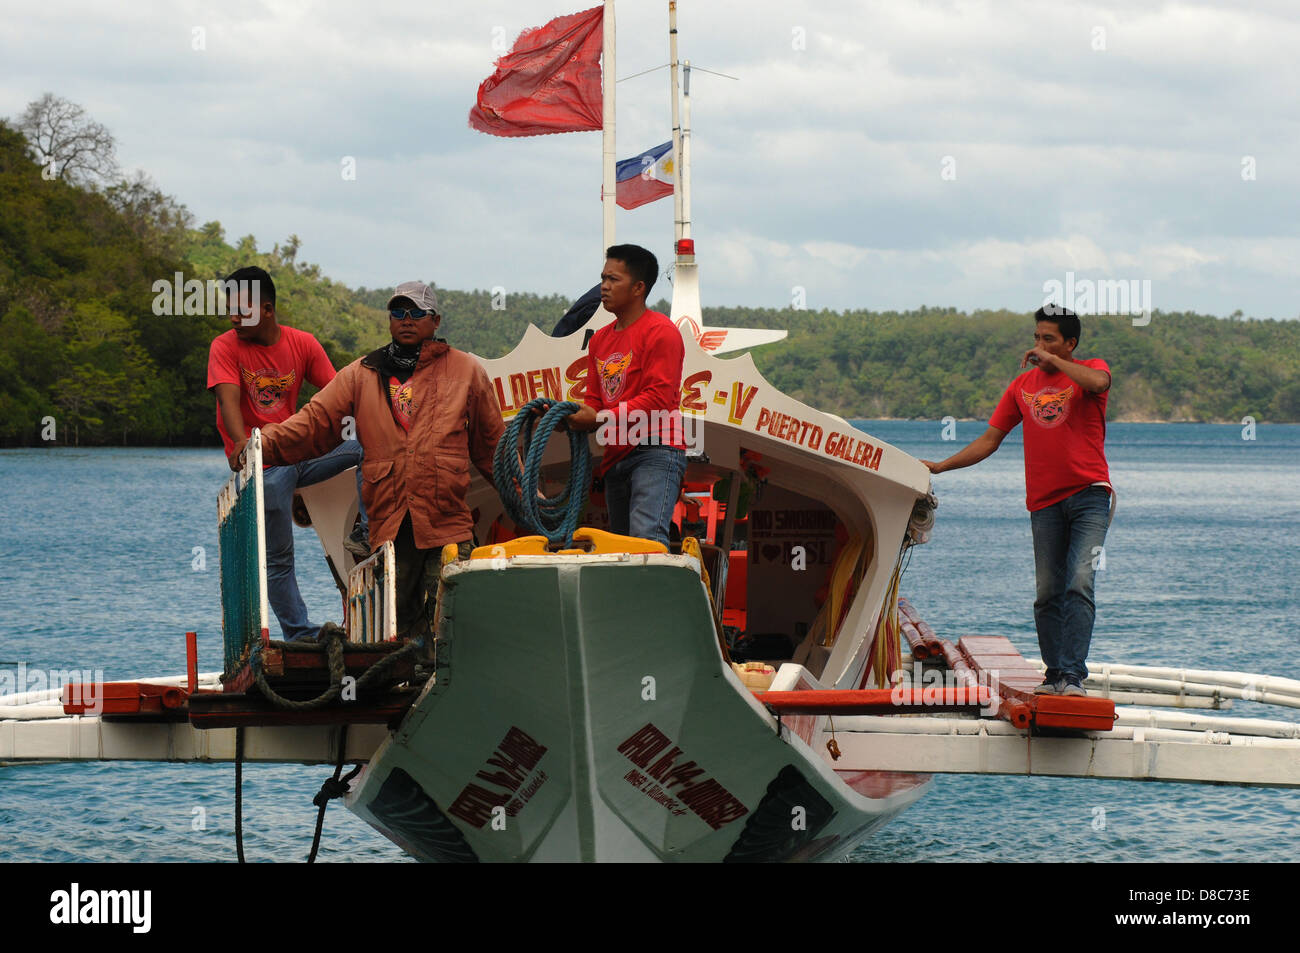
(758,692)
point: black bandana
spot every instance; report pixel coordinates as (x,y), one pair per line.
(399,360)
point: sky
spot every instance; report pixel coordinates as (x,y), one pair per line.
(881,155)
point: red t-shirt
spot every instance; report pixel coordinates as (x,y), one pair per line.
(399,398)
(638,373)
(268,378)
(1065,433)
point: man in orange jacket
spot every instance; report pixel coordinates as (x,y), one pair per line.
(423,413)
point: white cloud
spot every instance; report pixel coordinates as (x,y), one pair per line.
(820,167)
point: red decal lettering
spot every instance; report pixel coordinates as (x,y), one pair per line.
(576,375)
(875,459)
(551,383)
(685,773)
(659,770)
(506,406)
(522,748)
(474,805)
(740,401)
(519,389)
(644,745)
(502,779)
(534,383)
(692,399)
(713,803)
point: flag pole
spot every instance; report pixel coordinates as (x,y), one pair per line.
(609,187)
(684,170)
(677,126)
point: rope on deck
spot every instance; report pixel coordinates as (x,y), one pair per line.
(525,439)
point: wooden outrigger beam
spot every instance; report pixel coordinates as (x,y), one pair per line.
(954,745)
(90,738)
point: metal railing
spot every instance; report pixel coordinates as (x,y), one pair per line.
(372,603)
(241,531)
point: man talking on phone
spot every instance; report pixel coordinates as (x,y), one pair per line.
(1062,403)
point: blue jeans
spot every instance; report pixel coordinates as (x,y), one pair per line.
(278,484)
(1068,537)
(641,491)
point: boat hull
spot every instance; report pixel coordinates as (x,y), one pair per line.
(582,711)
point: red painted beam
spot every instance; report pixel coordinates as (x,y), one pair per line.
(192,660)
(122,698)
(875,701)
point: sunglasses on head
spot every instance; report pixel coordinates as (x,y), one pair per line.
(416,313)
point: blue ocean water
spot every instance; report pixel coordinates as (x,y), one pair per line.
(107,557)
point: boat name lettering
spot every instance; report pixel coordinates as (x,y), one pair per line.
(516,390)
(803,433)
(853,450)
(513,760)
(692,399)
(704,796)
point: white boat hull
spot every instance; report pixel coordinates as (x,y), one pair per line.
(582,711)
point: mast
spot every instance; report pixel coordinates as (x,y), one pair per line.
(684,169)
(677,126)
(684,310)
(609,185)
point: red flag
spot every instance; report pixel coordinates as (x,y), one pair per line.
(548,82)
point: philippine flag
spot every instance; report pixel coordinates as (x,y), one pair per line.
(645,178)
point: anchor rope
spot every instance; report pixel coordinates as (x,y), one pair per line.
(332,788)
(333,636)
(554,517)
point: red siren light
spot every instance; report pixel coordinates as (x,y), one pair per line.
(686,246)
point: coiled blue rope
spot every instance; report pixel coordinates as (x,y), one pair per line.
(554,517)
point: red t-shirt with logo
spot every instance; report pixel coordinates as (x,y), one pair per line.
(1065,433)
(399,397)
(637,372)
(268,378)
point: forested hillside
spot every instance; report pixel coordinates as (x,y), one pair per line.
(86,358)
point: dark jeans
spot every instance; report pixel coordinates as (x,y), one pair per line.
(1068,537)
(415,587)
(642,489)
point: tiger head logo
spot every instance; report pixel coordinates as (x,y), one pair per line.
(613,375)
(266,389)
(1050,406)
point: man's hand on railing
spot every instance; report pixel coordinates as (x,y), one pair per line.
(236,458)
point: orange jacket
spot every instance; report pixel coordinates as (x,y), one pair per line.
(455,420)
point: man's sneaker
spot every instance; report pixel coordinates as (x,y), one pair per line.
(357,544)
(1049,688)
(1072,687)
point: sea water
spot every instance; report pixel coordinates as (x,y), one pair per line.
(107,557)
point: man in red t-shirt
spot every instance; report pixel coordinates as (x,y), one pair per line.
(1062,403)
(256,370)
(634,391)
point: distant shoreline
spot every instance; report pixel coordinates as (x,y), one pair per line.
(217,450)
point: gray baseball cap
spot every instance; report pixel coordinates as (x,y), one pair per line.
(419,293)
